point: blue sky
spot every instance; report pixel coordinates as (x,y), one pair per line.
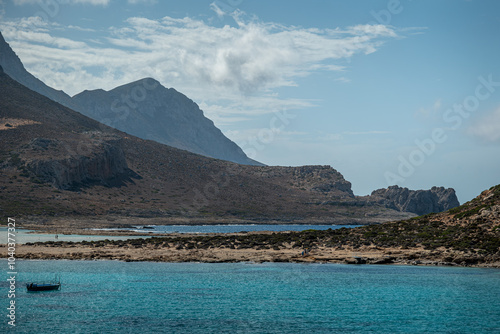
(387,92)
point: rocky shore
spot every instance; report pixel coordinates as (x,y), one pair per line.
(300,247)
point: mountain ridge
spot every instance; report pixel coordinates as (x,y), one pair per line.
(122,113)
(13,66)
(57,162)
(148,110)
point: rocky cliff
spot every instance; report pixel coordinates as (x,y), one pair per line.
(102,163)
(323,180)
(421,202)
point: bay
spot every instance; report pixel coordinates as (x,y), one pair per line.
(148,297)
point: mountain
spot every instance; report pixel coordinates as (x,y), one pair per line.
(57,162)
(143,108)
(148,110)
(13,66)
(421,202)
(59,151)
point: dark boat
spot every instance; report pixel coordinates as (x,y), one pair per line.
(43,286)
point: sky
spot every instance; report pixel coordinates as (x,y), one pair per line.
(386,92)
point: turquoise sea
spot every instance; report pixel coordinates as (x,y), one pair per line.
(148,297)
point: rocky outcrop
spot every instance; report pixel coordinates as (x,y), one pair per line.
(490,213)
(421,202)
(323,179)
(105,165)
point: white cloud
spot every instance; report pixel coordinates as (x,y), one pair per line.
(213,65)
(65,2)
(343,79)
(358,133)
(220,13)
(487,128)
(139,2)
(80,28)
(250,57)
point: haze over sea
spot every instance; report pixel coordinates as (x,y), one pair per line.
(144,297)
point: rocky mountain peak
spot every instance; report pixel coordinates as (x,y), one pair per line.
(148,110)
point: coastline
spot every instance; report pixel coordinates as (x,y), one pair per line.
(181,248)
(464,236)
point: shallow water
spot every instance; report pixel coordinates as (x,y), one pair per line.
(24,236)
(143,297)
(228,228)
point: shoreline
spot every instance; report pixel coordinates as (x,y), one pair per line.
(468,239)
(143,250)
(396,257)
